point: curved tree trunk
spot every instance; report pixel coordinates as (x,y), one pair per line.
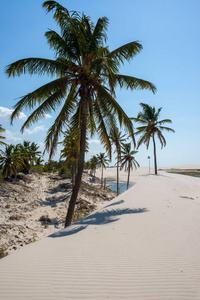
(154,152)
(81,160)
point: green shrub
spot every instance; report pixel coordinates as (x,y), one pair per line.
(3,252)
(64,172)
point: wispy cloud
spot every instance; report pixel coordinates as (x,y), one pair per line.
(5,114)
(35,130)
(47,116)
(94,142)
(11,136)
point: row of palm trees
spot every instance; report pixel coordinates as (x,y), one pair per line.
(85,75)
(125,159)
(19,158)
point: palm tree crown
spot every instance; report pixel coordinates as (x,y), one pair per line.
(151,127)
(87,74)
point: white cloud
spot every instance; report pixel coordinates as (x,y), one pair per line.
(11,136)
(94,142)
(5,114)
(35,130)
(47,116)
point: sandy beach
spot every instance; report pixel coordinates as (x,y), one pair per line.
(143,244)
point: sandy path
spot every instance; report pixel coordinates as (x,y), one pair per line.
(144,244)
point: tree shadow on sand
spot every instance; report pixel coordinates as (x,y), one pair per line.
(101,217)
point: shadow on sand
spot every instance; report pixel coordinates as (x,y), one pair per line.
(101,217)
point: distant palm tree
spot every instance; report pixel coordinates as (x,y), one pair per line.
(29,153)
(117,139)
(93,164)
(128,160)
(151,128)
(103,162)
(10,161)
(87,74)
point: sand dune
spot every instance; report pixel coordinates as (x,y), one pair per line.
(144,244)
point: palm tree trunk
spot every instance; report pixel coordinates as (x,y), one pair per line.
(129,168)
(117,175)
(77,185)
(73,173)
(154,151)
(102,176)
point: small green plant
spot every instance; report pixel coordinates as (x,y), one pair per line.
(105,195)
(3,252)
(7,206)
(46,226)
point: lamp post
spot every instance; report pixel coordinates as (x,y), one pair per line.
(149,163)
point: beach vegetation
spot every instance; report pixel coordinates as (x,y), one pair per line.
(3,252)
(18,158)
(151,128)
(87,73)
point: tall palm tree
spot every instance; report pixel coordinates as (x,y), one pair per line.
(117,139)
(87,74)
(103,162)
(151,127)
(128,160)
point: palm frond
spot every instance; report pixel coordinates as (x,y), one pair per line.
(125,52)
(39,66)
(99,35)
(58,86)
(134,83)
(57,128)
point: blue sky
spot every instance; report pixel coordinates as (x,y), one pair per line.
(169,31)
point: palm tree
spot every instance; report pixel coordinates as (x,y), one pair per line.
(93,164)
(103,162)
(128,160)
(151,127)
(117,139)
(87,74)
(10,161)
(28,152)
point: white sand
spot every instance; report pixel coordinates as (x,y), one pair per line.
(144,244)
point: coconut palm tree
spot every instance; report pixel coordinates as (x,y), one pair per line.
(10,161)
(117,139)
(86,76)
(29,153)
(93,164)
(151,127)
(128,160)
(103,162)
